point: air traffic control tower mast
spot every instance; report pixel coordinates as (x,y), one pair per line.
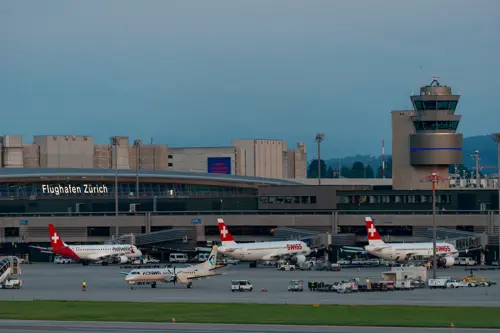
(425,139)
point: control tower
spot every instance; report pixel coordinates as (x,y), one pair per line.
(424,139)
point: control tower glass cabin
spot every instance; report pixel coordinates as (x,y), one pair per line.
(435,141)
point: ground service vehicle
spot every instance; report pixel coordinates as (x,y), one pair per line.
(453,284)
(11,283)
(286,267)
(438,283)
(296,285)
(178,257)
(466,261)
(241,285)
(147,259)
(62,260)
(202,257)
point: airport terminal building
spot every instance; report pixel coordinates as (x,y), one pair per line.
(94,194)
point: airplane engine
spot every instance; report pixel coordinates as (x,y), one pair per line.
(447,261)
(121,260)
(299,259)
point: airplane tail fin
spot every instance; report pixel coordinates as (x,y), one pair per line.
(373,235)
(55,240)
(225,235)
(211,262)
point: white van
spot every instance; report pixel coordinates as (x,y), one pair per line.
(178,257)
(241,285)
(62,260)
(465,261)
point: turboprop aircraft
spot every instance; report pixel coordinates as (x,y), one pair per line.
(174,275)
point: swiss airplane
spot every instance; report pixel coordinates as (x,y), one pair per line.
(118,253)
(446,253)
(172,275)
(295,251)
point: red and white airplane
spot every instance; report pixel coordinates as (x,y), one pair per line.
(445,252)
(295,251)
(116,253)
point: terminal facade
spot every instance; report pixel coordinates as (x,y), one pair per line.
(256,157)
(47,183)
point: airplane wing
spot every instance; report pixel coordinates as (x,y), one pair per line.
(201,277)
(352,249)
(42,249)
(178,250)
(105,256)
(274,256)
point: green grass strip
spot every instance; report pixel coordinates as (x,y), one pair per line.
(246,313)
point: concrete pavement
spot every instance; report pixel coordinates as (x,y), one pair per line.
(63,282)
(26,326)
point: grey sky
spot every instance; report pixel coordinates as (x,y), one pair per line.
(198,73)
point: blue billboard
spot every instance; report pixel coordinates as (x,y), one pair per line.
(220,165)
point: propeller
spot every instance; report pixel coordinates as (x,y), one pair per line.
(175,277)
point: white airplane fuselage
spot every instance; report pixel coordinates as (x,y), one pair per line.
(94,252)
(264,250)
(165,274)
(402,251)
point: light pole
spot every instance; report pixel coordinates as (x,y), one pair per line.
(319,137)
(496,137)
(137,145)
(434,179)
(114,143)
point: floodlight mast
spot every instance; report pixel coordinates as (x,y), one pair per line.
(434,179)
(319,138)
(496,137)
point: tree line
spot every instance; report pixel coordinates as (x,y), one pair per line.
(357,170)
(360,170)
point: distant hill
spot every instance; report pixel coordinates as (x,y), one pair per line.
(487,147)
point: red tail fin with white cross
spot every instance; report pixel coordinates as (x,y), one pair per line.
(373,235)
(225,235)
(55,240)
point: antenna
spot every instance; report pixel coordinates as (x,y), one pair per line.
(476,158)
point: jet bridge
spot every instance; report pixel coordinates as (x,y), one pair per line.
(151,238)
(462,240)
(9,266)
(284,233)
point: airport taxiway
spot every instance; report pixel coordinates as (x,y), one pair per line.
(26,326)
(48,281)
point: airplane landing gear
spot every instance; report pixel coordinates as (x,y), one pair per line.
(105,263)
(190,285)
(253,264)
(153,285)
(85,263)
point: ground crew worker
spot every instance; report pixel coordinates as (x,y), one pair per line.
(84,286)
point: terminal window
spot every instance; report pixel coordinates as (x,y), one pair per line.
(391,199)
(435,105)
(288,200)
(435,125)
(12,232)
(98,231)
